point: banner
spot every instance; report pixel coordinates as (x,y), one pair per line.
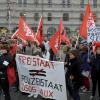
(94,35)
(91,28)
(40,76)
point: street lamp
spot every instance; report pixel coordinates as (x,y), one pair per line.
(9,16)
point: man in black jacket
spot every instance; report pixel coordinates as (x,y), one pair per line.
(95,72)
(4,62)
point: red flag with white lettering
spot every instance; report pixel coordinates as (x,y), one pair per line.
(25,30)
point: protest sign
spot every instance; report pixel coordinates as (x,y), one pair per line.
(40,76)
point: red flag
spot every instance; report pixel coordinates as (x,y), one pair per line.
(62,34)
(25,32)
(54,43)
(61,31)
(40,30)
(13,50)
(83,29)
(65,39)
(59,37)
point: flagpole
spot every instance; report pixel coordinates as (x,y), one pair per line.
(77,41)
(60,52)
(38,25)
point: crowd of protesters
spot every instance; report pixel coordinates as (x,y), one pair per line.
(81,64)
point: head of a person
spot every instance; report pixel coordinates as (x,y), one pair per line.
(45,38)
(98,50)
(4,47)
(34,44)
(12,43)
(43,49)
(82,44)
(74,55)
(28,44)
(84,49)
(63,44)
(97,47)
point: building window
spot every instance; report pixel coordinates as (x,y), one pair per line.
(68,3)
(82,3)
(67,30)
(63,3)
(95,16)
(23,14)
(36,2)
(25,3)
(36,16)
(65,17)
(51,30)
(20,2)
(49,16)
(50,3)
(81,16)
(95,3)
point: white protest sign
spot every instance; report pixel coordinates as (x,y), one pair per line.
(40,76)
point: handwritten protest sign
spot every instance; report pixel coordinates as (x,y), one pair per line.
(40,76)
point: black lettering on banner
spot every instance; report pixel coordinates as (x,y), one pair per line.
(25,79)
(56,87)
(50,85)
(60,87)
(22,77)
(37,81)
(37,73)
(41,82)
(33,81)
(45,82)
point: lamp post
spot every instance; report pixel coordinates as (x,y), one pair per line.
(42,7)
(9,15)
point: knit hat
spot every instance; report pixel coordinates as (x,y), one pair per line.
(96,44)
